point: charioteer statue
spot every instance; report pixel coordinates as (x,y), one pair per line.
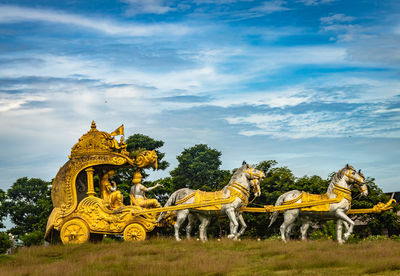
(137,194)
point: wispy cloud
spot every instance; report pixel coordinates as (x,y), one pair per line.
(274,99)
(147,7)
(315,2)
(336,18)
(270,7)
(327,123)
(13,14)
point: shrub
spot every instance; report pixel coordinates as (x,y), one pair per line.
(327,231)
(5,242)
(34,238)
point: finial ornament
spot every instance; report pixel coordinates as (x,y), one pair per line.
(93,126)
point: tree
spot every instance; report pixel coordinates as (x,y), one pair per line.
(3,212)
(29,205)
(135,144)
(199,168)
(376,224)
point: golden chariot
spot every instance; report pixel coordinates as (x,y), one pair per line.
(80,214)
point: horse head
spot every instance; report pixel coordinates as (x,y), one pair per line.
(255,176)
(356,178)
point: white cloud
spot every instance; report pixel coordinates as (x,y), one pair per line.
(271,7)
(274,99)
(11,102)
(147,7)
(12,14)
(336,18)
(312,124)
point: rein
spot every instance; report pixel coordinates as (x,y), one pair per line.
(251,173)
(349,175)
(241,188)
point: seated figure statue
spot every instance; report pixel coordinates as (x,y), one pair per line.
(109,192)
(138,196)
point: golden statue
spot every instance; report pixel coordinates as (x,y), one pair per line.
(109,192)
(137,194)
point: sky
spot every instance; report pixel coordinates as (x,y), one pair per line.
(312,84)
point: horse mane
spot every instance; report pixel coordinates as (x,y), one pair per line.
(236,174)
(336,178)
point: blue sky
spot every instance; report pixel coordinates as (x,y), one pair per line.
(313,84)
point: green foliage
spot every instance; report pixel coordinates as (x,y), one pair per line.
(266,165)
(34,238)
(376,223)
(327,230)
(28,205)
(5,242)
(198,168)
(3,211)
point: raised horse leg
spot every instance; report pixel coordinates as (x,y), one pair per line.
(243,225)
(180,218)
(341,215)
(189,226)
(233,223)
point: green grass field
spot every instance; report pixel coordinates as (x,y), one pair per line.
(246,257)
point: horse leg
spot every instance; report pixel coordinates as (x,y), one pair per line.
(304,228)
(243,225)
(189,226)
(289,217)
(233,223)
(288,231)
(180,218)
(341,215)
(346,225)
(339,228)
(204,221)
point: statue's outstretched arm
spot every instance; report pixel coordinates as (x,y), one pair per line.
(151,188)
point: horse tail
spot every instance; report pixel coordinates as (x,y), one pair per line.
(275,214)
(171,201)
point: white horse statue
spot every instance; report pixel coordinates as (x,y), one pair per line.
(236,193)
(339,196)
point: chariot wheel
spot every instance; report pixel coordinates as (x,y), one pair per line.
(74,231)
(134,232)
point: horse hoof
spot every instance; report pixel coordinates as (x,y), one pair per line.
(231,236)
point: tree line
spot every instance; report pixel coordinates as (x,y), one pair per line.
(28,202)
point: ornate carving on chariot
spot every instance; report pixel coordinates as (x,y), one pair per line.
(79,212)
(99,142)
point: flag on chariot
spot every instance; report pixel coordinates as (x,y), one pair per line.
(118,131)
